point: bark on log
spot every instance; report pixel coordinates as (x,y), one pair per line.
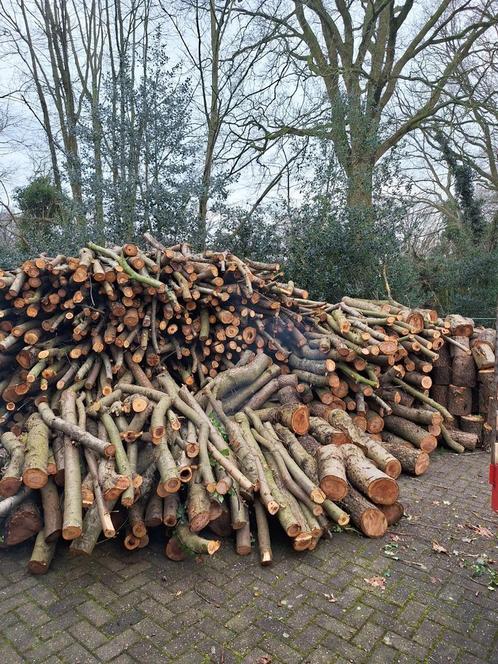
(42,555)
(195,543)
(412,432)
(472,424)
(373,450)
(52,514)
(365,516)
(459,400)
(35,473)
(393,513)
(459,326)
(73,511)
(264,542)
(440,393)
(21,524)
(483,355)
(331,472)
(486,382)
(376,485)
(413,461)
(10,482)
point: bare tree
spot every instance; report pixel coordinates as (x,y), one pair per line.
(211,37)
(357,73)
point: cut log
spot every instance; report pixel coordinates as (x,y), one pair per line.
(10,482)
(459,400)
(325,433)
(43,553)
(21,524)
(472,424)
(194,543)
(468,440)
(483,355)
(440,392)
(459,326)
(486,382)
(393,513)
(35,473)
(331,472)
(364,515)
(52,513)
(376,485)
(418,415)
(264,543)
(463,368)
(413,461)
(410,431)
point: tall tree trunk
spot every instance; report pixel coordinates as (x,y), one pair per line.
(360,185)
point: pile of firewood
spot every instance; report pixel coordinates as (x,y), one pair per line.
(201,394)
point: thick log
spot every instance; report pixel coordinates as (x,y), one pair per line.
(459,400)
(325,433)
(198,507)
(393,513)
(459,326)
(463,368)
(375,484)
(468,440)
(10,482)
(331,472)
(73,510)
(365,516)
(472,424)
(92,528)
(413,461)
(439,392)
(194,543)
(35,473)
(373,450)
(21,524)
(418,415)
(483,355)
(410,431)
(486,382)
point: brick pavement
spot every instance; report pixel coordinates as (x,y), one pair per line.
(313,607)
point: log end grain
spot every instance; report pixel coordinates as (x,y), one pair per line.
(383,491)
(373,523)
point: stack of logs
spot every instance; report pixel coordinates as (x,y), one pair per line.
(463,380)
(202,395)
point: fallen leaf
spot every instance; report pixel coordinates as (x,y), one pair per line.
(376,582)
(435,579)
(330,597)
(265,659)
(438,548)
(482,531)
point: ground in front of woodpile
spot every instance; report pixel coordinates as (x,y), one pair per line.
(421,594)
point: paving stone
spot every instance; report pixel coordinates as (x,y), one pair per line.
(86,634)
(94,612)
(43,650)
(117,645)
(77,654)
(8,654)
(310,608)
